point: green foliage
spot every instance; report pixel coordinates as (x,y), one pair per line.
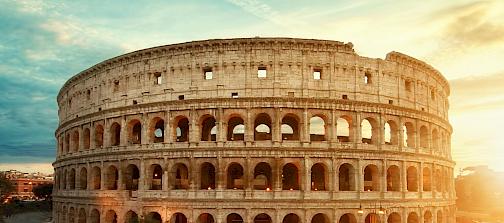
(43,191)
(6,187)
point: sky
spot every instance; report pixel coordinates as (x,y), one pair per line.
(44,43)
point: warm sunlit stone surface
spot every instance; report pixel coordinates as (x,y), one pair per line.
(255,130)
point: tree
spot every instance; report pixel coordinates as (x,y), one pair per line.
(6,187)
(43,191)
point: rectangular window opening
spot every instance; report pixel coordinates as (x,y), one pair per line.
(407,85)
(367,78)
(135,102)
(208,73)
(391,102)
(261,72)
(234,95)
(290,94)
(159,79)
(116,86)
(317,72)
(345,97)
(181,97)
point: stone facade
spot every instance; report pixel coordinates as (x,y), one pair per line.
(255,130)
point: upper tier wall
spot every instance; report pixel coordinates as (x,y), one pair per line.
(290,65)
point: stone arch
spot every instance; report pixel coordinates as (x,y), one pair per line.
(427,217)
(371,178)
(262,127)
(181,128)
(94,216)
(344,128)
(412,217)
(207,177)
(424,137)
(131,177)
(236,129)
(435,139)
(180,176)
(319,177)
(86,136)
(291,218)
(95,178)
(262,176)
(439,217)
(71,215)
(320,218)
(346,177)
(67,143)
(83,178)
(205,218)
(369,131)
(394,217)
(75,140)
(156,177)
(178,218)
(390,133)
(234,218)
(427,186)
(98,136)
(235,176)
(393,178)
(64,214)
(412,179)
(372,218)
(290,127)
(262,218)
(111,178)
(131,217)
(71,179)
(153,217)
(64,181)
(347,218)
(439,181)
(290,179)
(408,135)
(208,128)
(110,216)
(82,216)
(318,128)
(115,134)
(157,130)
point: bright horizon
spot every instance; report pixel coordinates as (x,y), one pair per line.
(43,44)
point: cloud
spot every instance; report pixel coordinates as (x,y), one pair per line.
(475,93)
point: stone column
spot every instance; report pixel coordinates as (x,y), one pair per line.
(124,132)
(306,175)
(333,137)
(277,129)
(121,185)
(92,136)
(145,129)
(142,181)
(249,127)
(304,127)
(106,133)
(356,128)
(102,176)
(194,129)
(168,135)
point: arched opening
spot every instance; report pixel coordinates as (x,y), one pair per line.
(65,177)
(207,176)
(412,179)
(181,175)
(290,127)
(95,178)
(390,133)
(178,218)
(235,176)
(262,218)
(131,176)
(317,129)
(424,137)
(427,217)
(67,143)
(408,135)
(394,218)
(83,179)
(64,214)
(153,217)
(290,177)
(182,129)
(346,177)
(157,177)
(94,217)
(86,138)
(262,127)
(115,134)
(157,130)
(291,218)
(111,177)
(71,215)
(371,178)
(205,218)
(135,132)
(426,179)
(439,180)
(75,141)
(318,177)
(413,217)
(234,218)
(236,129)
(348,218)
(131,217)
(369,131)
(71,179)
(343,129)
(208,129)
(320,218)
(439,217)
(110,217)
(393,178)
(372,218)
(82,216)
(262,176)
(99,136)
(435,139)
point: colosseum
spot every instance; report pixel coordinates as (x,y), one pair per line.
(262,130)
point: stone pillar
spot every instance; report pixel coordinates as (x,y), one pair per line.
(92,136)
(277,174)
(121,185)
(306,175)
(89,176)
(333,137)
(420,181)
(124,132)
(400,134)
(106,133)
(277,125)
(249,127)
(220,168)
(356,127)
(165,176)
(194,129)
(168,131)
(145,129)
(102,177)
(304,127)
(81,138)
(142,180)
(404,178)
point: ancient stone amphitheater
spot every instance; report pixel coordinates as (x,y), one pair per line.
(263,130)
